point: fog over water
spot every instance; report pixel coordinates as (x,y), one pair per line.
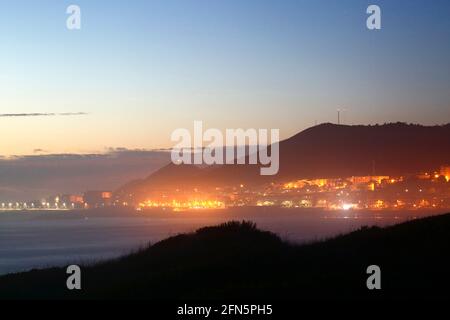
(42,239)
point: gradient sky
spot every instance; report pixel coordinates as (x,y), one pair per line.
(141,69)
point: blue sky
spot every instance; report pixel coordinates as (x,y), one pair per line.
(144,68)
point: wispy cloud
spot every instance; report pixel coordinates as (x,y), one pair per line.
(38,150)
(5,115)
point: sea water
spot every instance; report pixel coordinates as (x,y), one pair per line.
(31,239)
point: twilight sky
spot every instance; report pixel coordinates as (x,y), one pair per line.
(140,69)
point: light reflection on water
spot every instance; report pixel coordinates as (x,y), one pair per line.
(41,239)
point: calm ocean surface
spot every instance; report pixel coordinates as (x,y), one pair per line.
(42,239)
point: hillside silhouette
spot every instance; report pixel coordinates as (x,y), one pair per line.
(236,260)
(327,150)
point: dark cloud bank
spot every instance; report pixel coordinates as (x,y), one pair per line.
(35,176)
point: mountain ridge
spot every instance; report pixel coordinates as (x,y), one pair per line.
(323,151)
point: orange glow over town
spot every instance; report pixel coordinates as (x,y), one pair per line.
(423,190)
(183,205)
(428,190)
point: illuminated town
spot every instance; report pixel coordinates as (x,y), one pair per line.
(427,190)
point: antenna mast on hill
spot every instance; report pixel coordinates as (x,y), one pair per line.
(339,115)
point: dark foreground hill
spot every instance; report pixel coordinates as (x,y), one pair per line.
(236,260)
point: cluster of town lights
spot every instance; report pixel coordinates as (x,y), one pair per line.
(183,205)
